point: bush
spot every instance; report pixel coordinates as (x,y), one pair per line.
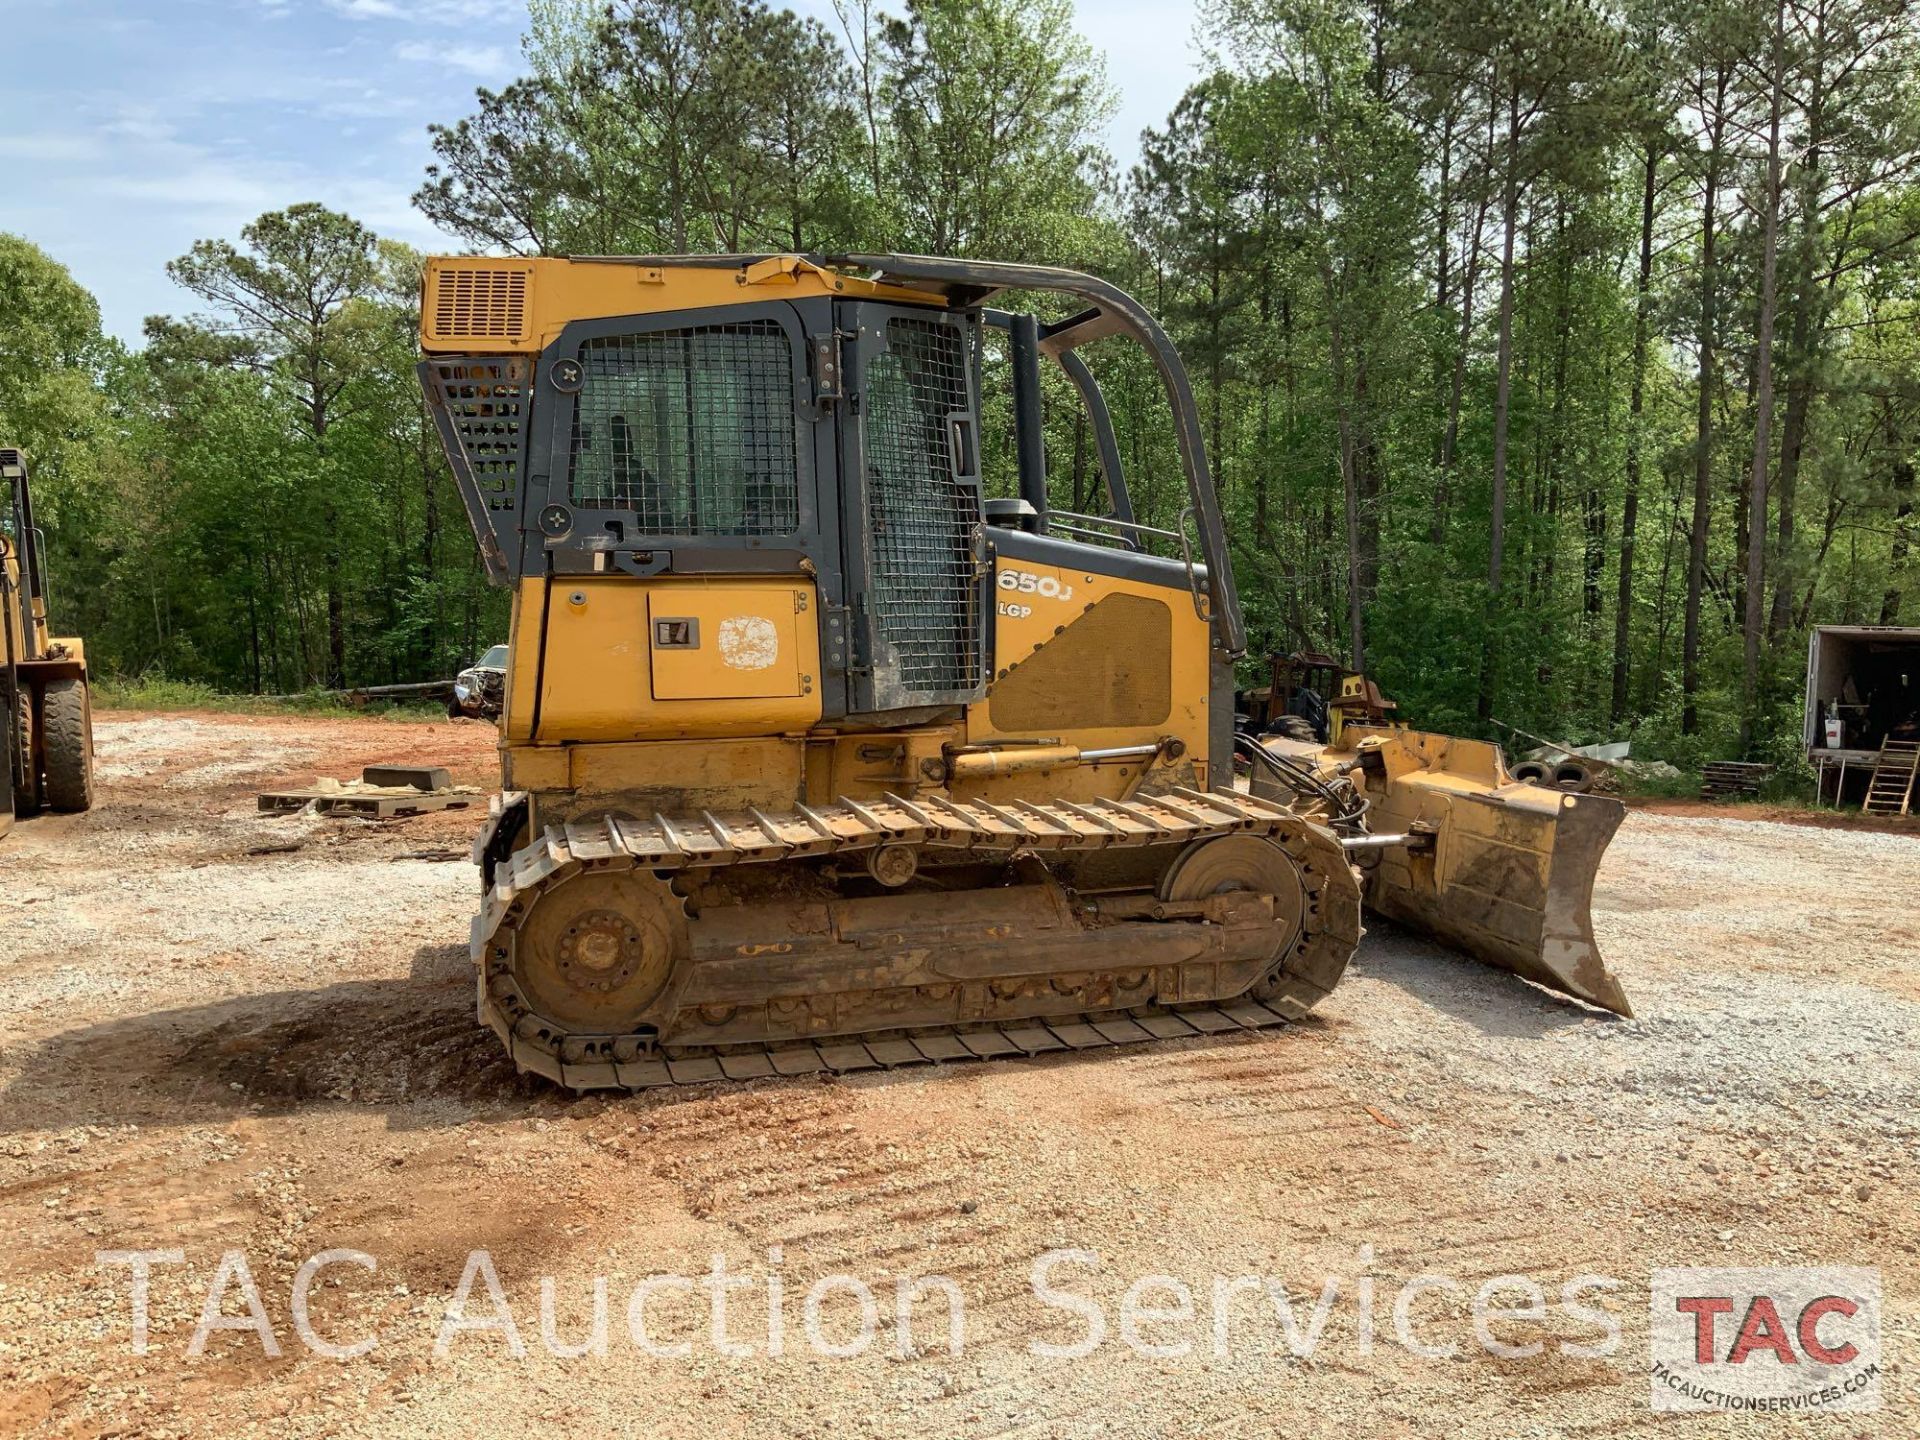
(159,692)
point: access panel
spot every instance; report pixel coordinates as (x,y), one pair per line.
(727,641)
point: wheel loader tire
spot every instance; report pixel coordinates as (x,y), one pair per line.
(1532,772)
(26,749)
(66,715)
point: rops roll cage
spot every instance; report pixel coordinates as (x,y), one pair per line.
(16,495)
(1110,311)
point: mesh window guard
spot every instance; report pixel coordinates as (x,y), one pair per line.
(480,407)
(923,591)
(692,430)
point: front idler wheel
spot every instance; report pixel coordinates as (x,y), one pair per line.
(1227,863)
(597,951)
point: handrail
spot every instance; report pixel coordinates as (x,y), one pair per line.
(1127,527)
(1202,598)
(1072,522)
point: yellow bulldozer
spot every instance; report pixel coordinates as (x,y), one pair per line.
(49,711)
(1310,696)
(815,758)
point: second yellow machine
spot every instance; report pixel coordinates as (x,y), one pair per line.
(46,705)
(815,758)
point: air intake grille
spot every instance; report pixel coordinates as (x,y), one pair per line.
(924,595)
(692,430)
(479,304)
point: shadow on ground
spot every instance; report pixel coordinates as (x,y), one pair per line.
(413,1048)
(398,1044)
(1494,1002)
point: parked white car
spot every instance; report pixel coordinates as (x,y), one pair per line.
(480,690)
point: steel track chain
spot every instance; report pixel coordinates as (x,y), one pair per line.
(851,1055)
(851,827)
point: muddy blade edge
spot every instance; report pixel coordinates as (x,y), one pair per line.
(1509,879)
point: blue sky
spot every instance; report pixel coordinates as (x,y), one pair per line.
(128,130)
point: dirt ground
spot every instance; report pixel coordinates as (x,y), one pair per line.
(224,1031)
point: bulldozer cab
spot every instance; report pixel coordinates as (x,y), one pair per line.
(781,416)
(685,443)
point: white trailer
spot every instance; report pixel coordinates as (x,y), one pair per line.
(1867,677)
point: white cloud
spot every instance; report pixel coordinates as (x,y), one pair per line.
(484,61)
(367,9)
(52,147)
(385,105)
(169,188)
(470,13)
(137,125)
(209,189)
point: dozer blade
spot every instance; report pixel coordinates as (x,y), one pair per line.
(1508,877)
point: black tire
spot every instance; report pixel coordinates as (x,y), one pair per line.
(1532,772)
(1573,777)
(26,749)
(66,718)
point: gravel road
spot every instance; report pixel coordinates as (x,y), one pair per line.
(226,1032)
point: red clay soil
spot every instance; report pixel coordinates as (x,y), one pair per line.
(1779,814)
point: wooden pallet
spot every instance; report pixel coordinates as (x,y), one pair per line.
(384,804)
(1732,779)
(1890,790)
(387,792)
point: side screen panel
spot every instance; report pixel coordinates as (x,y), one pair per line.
(912,498)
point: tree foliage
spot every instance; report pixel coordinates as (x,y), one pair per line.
(1559,363)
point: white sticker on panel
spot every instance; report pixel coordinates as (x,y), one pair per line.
(749,642)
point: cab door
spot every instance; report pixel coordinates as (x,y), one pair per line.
(912,534)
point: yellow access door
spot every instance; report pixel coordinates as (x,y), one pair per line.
(726,642)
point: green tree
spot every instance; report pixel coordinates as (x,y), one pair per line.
(991,108)
(296,292)
(52,362)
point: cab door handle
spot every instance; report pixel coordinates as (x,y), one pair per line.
(962,454)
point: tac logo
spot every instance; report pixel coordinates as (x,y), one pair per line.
(1774,1340)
